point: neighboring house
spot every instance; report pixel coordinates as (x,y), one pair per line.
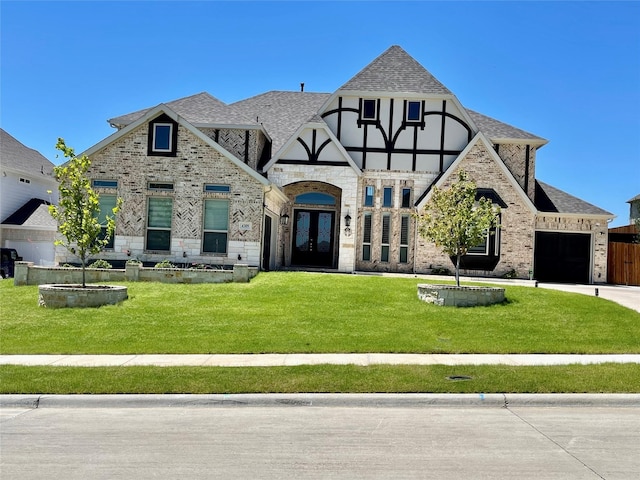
(332,180)
(634,208)
(25,182)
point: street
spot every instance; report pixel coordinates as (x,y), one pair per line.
(297,439)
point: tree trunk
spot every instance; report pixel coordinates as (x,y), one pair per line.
(458,269)
(84,265)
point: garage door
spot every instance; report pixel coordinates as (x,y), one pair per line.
(562,257)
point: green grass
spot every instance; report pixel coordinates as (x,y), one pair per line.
(303,313)
(605,378)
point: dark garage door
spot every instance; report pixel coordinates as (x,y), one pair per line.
(562,257)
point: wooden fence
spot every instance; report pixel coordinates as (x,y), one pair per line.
(623,265)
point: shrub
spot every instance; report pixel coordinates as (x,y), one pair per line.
(134,261)
(511,274)
(101,264)
(165,264)
(440,271)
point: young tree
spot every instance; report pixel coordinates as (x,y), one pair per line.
(455,221)
(78,209)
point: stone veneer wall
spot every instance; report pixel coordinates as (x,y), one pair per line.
(196,163)
(517,221)
(597,226)
(515,158)
(345,179)
(379,179)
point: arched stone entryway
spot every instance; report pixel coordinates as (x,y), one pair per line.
(313,233)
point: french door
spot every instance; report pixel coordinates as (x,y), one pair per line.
(313,232)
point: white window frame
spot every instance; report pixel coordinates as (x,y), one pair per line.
(154,148)
(375,109)
(419,111)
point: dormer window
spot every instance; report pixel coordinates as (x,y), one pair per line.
(163,136)
(369,110)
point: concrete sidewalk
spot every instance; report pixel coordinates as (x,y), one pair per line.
(293,359)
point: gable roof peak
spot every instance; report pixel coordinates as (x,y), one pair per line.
(395,71)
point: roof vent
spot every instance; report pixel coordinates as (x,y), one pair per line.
(302,86)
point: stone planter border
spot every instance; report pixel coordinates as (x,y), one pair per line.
(75,296)
(462,296)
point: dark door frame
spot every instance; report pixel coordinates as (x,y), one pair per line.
(312,258)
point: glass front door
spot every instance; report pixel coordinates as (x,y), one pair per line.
(313,238)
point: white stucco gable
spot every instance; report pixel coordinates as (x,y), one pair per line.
(313,144)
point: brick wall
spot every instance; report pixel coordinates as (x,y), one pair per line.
(517,220)
(196,164)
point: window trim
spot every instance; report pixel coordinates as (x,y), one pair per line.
(404,242)
(103,226)
(154,140)
(216,188)
(104,183)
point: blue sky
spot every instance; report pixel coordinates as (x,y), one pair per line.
(565,71)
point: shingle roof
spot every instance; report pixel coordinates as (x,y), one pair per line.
(282,113)
(15,155)
(551,199)
(496,130)
(198,109)
(637,197)
(395,71)
(34,213)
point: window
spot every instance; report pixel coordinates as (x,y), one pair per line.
(387,197)
(404,239)
(159,223)
(161,186)
(366,238)
(162,137)
(406,198)
(316,198)
(369,192)
(216,226)
(369,110)
(490,244)
(105,184)
(210,187)
(414,111)
(107,204)
(386,227)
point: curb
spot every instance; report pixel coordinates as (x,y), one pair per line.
(381,400)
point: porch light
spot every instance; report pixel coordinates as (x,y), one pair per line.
(284,220)
(347,220)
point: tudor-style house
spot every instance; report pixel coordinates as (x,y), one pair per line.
(332,180)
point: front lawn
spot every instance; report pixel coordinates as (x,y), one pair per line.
(291,312)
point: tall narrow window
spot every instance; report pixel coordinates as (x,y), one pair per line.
(387,197)
(216,226)
(107,204)
(366,238)
(386,227)
(404,239)
(406,198)
(369,192)
(159,223)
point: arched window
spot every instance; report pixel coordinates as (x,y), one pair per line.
(315,198)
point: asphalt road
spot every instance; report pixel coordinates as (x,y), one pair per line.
(295,439)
